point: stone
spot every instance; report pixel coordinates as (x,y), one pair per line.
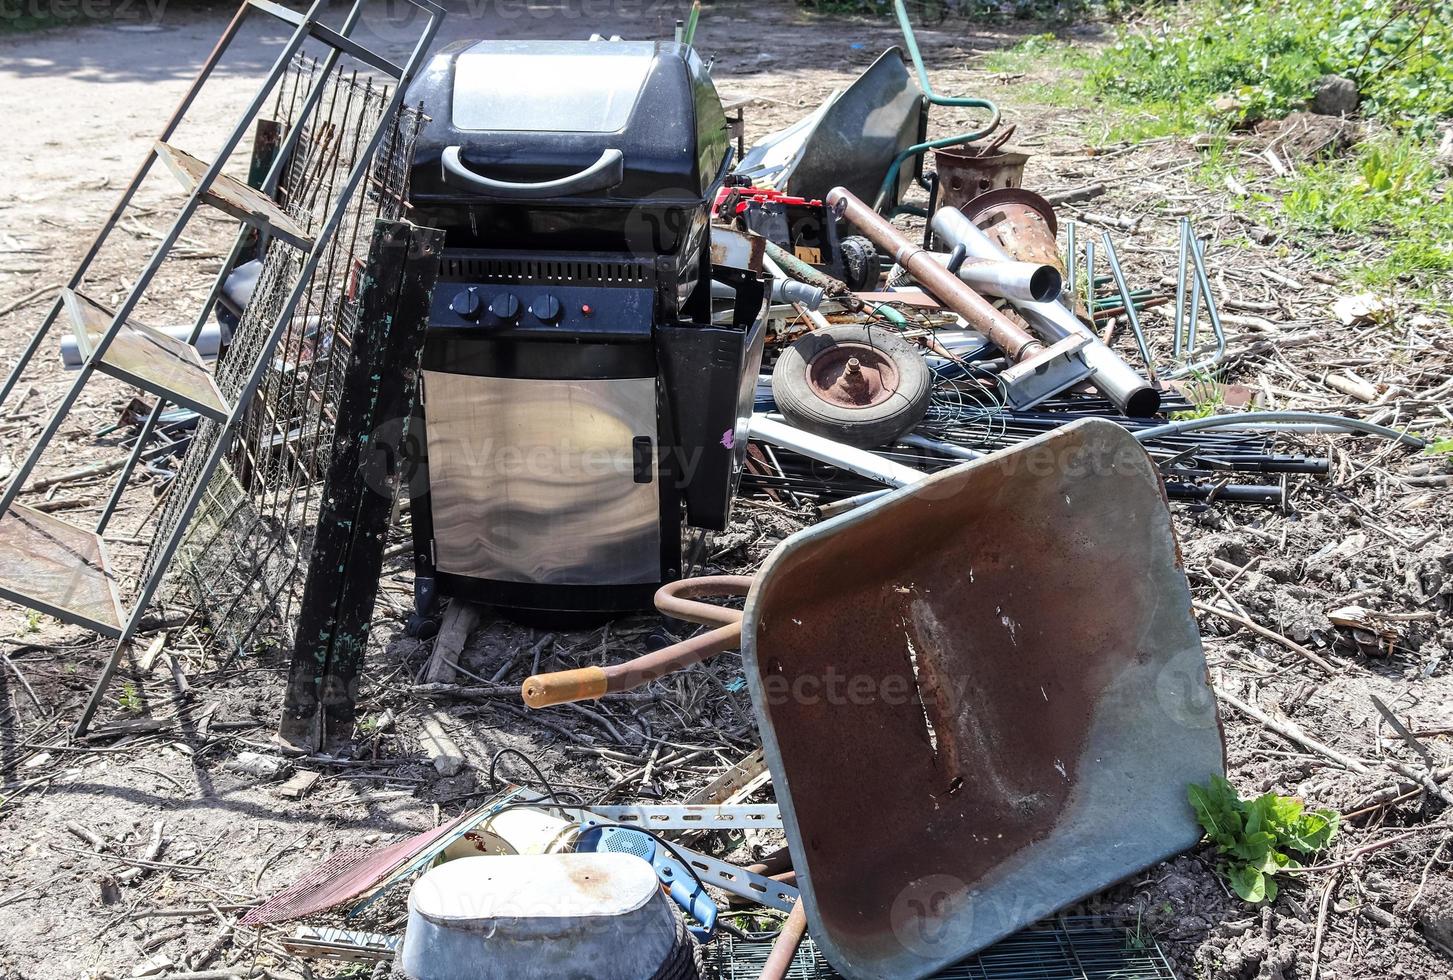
(439,747)
(1335,95)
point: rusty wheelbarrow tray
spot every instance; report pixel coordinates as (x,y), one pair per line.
(981,699)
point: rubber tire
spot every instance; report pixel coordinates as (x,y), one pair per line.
(868,427)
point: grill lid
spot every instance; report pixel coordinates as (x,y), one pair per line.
(550,86)
(578,123)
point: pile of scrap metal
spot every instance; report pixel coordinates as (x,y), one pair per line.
(1006,650)
(1002,642)
(986,331)
(1005,647)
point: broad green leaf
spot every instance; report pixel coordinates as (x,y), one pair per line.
(1254,848)
(1313,831)
(1249,883)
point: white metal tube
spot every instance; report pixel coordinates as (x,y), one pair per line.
(858,461)
(1026,281)
(1117,380)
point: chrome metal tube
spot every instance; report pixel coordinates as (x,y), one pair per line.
(809,313)
(1008,280)
(1117,381)
(783,291)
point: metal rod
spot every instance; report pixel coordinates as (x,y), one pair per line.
(1070,259)
(1180,315)
(1128,300)
(850,458)
(1203,287)
(1263,419)
(1012,339)
(938,446)
(1115,379)
(1195,307)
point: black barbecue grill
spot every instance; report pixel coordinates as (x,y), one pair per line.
(579,404)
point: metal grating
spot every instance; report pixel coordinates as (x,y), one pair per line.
(1064,948)
(244,558)
(460,265)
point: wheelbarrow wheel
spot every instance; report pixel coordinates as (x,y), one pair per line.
(864,386)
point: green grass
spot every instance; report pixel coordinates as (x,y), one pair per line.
(1203,391)
(1388,188)
(1224,61)
(1214,66)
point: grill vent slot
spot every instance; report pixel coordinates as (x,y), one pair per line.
(590,271)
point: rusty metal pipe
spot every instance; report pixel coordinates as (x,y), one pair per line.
(956,294)
(784,949)
(676,599)
(589,683)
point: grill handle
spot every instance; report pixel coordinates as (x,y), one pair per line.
(604,173)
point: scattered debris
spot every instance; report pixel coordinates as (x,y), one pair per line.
(261,767)
(1056,391)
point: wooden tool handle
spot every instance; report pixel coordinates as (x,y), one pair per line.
(563,687)
(589,683)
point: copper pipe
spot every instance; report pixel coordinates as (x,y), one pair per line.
(784,950)
(953,292)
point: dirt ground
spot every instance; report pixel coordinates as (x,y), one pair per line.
(80,104)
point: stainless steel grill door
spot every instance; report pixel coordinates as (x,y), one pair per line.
(537,481)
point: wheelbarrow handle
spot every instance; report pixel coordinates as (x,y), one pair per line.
(675,599)
(589,683)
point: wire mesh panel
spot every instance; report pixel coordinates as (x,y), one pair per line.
(245,553)
(1065,948)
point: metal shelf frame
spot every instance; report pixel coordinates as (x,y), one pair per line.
(307,25)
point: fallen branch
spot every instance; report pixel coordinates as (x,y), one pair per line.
(1289,731)
(1260,630)
(31,297)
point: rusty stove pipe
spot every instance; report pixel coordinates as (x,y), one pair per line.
(1012,339)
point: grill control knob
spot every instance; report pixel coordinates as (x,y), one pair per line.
(466,304)
(506,307)
(546,309)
